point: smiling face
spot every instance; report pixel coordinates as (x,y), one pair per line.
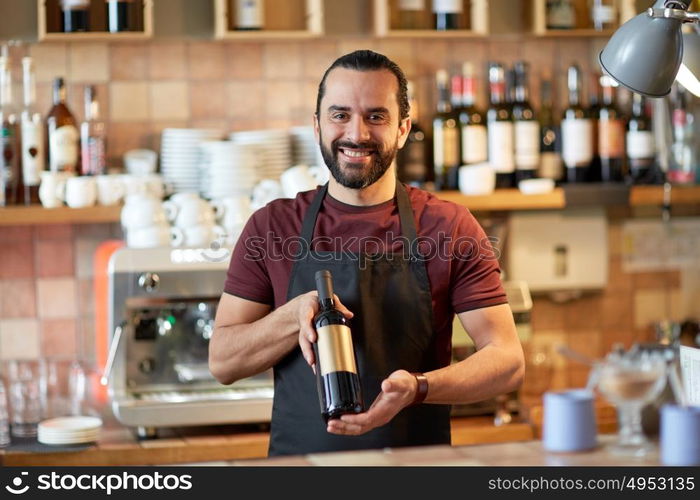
(358,125)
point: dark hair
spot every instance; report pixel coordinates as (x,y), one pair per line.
(367,60)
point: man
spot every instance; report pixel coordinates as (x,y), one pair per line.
(403,263)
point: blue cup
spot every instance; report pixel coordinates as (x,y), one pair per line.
(569,421)
(680,435)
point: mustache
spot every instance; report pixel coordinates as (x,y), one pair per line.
(356,145)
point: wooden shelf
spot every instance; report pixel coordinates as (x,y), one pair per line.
(36,214)
(654,195)
(507,199)
(582,33)
(284,19)
(626,9)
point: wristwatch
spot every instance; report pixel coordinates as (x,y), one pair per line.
(422,390)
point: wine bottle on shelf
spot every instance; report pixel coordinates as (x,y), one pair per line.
(500,129)
(561,15)
(412,14)
(92,136)
(121,15)
(413,161)
(603,14)
(339,388)
(472,121)
(611,135)
(250,14)
(594,100)
(641,147)
(75,15)
(448,14)
(550,138)
(682,169)
(446,154)
(9,143)
(33,157)
(62,133)
(527,128)
(576,131)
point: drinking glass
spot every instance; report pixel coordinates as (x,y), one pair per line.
(27,394)
(630,380)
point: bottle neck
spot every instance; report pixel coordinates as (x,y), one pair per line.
(608,96)
(443,104)
(59,94)
(498,92)
(326,304)
(5,88)
(29,90)
(574,98)
(638,105)
(469,91)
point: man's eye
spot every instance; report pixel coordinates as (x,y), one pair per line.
(339,116)
(376,118)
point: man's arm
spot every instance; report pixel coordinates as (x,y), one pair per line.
(497,367)
(249,339)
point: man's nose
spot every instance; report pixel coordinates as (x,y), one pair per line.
(357,130)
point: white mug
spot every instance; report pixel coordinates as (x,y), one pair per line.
(80,192)
(232,211)
(142,210)
(188,209)
(154,185)
(156,235)
(51,188)
(478,179)
(297,179)
(140,161)
(203,235)
(134,184)
(110,189)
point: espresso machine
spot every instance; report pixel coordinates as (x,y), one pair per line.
(161,309)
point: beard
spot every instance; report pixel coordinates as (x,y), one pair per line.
(357,175)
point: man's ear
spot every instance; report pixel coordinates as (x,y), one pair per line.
(316,128)
(404,129)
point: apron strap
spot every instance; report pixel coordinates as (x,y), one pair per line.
(408,225)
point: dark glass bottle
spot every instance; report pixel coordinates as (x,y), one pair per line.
(500,129)
(339,388)
(576,132)
(448,14)
(550,137)
(594,100)
(641,150)
(412,15)
(413,161)
(121,15)
(611,135)
(10,174)
(33,157)
(62,133)
(75,15)
(446,154)
(527,128)
(472,121)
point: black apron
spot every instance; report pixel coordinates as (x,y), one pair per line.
(392,329)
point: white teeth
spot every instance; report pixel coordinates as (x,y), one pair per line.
(356,154)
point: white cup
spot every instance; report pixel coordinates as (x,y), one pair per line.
(142,210)
(202,235)
(154,185)
(140,161)
(51,188)
(478,179)
(297,179)
(188,209)
(156,235)
(232,211)
(110,189)
(134,184)
(80,192)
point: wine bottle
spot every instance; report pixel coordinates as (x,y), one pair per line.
(603,14)
(9,145)
(472,121)
(339,389)
(121,15)
(611,135)
(411,14)
(75,15)
(413,163)
(250,14)
(500,129)
(641,148)
(446,154)
(526,127)
(594,103)
(576,131)
(92,136)
(561,15)
(448,14)
(33,158)
(682,167)
(62,133)
(550,142)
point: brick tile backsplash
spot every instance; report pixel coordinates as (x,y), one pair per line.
(88,62)
(167,60)
(50,60)
(244,61)
(246,100)
(17,298)
(54,258)
(169,100)
(19,339)
(56,297)
(128,61)
(206,60)
(16,259)
(206,99)
(129,101)
(59,337)
(283,60)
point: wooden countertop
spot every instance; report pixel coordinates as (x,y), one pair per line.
(118,446)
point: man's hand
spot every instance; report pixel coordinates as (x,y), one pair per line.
(398,392)
(305,308)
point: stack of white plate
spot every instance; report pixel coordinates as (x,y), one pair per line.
(304,146)
(228,169)
(180,157)
(69,430)
(275,150)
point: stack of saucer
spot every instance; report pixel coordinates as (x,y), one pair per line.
(181,157)
(275,150)
(304,146)
(228,169)
(69,430)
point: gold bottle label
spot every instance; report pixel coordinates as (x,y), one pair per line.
(335,350)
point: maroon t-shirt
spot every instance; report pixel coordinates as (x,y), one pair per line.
(462,267)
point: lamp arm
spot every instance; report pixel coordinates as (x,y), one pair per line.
(676,14)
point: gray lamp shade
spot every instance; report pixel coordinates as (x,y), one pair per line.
(644,54)
(691,52)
